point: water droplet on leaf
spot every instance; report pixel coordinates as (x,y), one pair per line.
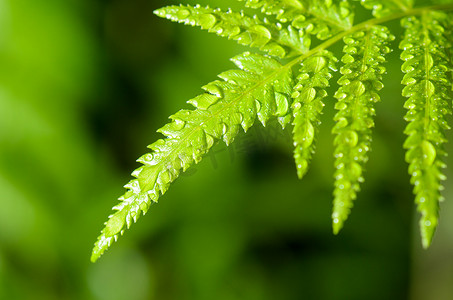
(261,31)
(282,104)
(207,21)
(182,13)
(429,153)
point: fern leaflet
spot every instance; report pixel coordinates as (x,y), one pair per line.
(427,87)
(307,106)
(244,29)
(260,88)
(361,80)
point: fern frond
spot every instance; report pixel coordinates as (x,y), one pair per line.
(307,106)
(249,31)
(427,86)
(361,80)
(381,8)
(260,88)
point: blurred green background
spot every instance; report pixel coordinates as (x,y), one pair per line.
(83,87)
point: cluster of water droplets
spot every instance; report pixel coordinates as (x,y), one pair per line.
(307,105)
(269,36)
(427,88)
(362,73)
(281,9)
(324,19)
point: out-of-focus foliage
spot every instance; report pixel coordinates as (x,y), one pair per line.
(83,85)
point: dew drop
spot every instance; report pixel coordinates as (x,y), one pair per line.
(341,123)
(237,118)
(347,59)
(214,90)
(297,106)
(358,88)
(276,50)
(406,55)
(310,27)
(340,105)
(207,21)
(348,40)
(302,167)
(309,95)
(179,124)
(235,31)
(344,12)
(309,135)
(429,153)
(261,30)
(134,186)
(209,141)
(407,80)
(243,38)
(147,159)
(160,12)
(282,104)
(258,105)
(351,138)
(182,13)
(204,101)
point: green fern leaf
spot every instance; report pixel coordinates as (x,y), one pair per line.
(361,80)
(260,88)
(307,106)
(381,8)
(245,30)
(427,86)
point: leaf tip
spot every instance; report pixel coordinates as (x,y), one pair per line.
(336,225)
(94,256)
(160,12)
(101,245)
(427,232)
